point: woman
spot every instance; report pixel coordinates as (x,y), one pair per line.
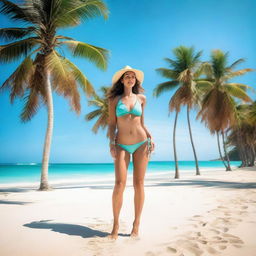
(126,114)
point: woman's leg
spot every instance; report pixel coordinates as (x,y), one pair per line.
(140,161)
(121,165)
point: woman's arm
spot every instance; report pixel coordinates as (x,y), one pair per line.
(112,126)
(143,100)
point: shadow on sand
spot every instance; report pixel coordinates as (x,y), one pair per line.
(208,183)
(13,202)
(69,229)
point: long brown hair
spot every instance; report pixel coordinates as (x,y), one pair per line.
(118,88)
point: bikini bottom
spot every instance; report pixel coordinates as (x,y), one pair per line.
(133,147)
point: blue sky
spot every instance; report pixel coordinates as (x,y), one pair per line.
(140,34)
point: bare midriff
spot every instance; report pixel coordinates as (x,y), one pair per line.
(130,130)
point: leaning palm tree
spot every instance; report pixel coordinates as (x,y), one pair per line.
(101,113)
(181,74)
(218,109)
(43,68)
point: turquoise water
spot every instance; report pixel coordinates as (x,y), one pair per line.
(19,173)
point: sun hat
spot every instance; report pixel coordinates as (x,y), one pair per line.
(139,74)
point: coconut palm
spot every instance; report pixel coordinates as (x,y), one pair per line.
(101,113)
(181,74)
(243,135)
(218,109)
(43,68)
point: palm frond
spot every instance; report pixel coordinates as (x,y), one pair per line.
(235,63)
(9,34)
(63,80)
(18,81)
(71,13)
(93,114)
(205,68)
(14,51)
(101,122)
(37,79)
(186,58)
(31,105)
(219,62)
(64,37)
(185,76)
(242,86)
(81,78)
(95,54)
(203,85)
(217,110)
(168,73)
(182,96)
(163,87)
(237,92)
(237,73)
(25,12)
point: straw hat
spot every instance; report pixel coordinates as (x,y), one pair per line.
(139,74)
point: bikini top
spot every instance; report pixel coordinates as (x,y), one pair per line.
(121,108)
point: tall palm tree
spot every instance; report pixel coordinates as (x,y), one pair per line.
(101,113)
(43,68)
(218,109)
(183,70)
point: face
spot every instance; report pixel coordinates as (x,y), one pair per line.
(129,79)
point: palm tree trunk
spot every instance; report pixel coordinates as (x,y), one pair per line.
(48,138)
(192,143)
(218,140)
(225,151)
(174,148)
(241,146)
(254,155)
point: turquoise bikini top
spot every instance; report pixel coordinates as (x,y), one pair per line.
(122,110)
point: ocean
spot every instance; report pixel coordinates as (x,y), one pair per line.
(89,172)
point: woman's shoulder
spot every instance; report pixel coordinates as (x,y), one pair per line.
(142,97)
(114,99)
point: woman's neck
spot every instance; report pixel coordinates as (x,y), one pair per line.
(127,92)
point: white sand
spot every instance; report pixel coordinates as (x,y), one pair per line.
(211,214)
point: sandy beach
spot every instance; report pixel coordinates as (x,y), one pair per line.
(211,214)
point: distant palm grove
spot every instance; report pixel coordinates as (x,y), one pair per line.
(222,105)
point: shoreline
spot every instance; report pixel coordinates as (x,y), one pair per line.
(97,181)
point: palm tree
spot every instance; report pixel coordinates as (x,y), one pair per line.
(182,72)
(43,68)
(101,113)
(243,134)
(218,109)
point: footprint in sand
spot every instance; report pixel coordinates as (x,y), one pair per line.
(222,207)
(236,241)
(211,250)
(221,228)
(217,238)
(214,231)
(222,247)
(197,216)
(171,249)
(202,241)
(237,245)
(230,236)
(150,254)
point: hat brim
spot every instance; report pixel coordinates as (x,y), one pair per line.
(138,73)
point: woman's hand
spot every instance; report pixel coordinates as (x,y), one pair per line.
(152,145)
(113,150)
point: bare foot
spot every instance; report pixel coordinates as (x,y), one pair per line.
(114,233)
(135,230)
